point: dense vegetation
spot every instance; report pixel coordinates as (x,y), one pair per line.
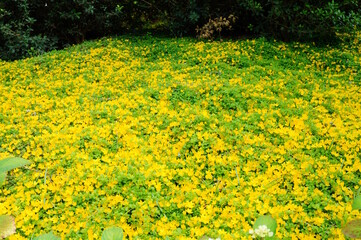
(180,138)
(30,27)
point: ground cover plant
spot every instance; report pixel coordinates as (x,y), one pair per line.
(180,138)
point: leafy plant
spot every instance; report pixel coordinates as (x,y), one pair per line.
(263,113)
(112,233)
(304,20)
(8,164)
(264,227)
(2,178)
(356,205)
(17,37)
(47,236)
(7,226)
(7,223)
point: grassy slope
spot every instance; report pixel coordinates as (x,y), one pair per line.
(179,138)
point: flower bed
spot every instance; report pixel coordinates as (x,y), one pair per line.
(179,138)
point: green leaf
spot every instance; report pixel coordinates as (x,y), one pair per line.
(47,236)
(2,178)
(268,221)
(7,226)
(356,203)
(353,229)
(8,164)
(112,233)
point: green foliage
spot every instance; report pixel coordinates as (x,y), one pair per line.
(47,236)
(112,233)
(7,223)
(251,94)
(7,226)
(356,205)
(31,27)
(10,163)
(302,20)
(17,38)
(2,178)
(73,21)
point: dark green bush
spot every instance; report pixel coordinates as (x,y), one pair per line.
(302,20)
(17,38)
(75,20)
(30,27)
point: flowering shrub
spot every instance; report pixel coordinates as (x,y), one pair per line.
(178,138)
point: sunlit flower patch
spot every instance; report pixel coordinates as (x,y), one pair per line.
(179,138)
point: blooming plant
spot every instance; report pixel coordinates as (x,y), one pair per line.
(181,138)
(7,223)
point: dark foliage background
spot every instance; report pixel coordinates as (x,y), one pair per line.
(30,27)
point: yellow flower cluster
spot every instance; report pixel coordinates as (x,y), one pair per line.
(180,138)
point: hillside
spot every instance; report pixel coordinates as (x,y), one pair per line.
(181,138)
